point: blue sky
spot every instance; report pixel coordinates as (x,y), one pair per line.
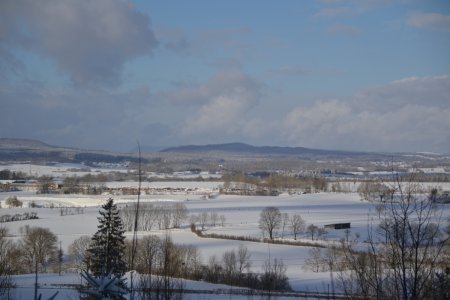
(370,75)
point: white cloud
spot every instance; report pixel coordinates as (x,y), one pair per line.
(224,83)
(89,40)
(224,114)
(225,99)
(316,125)
(423,91)
(429,20)
(85,119)
(410,114)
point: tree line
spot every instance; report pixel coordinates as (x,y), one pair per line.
(154,216)
(272,221)
(18,217)
(272,184)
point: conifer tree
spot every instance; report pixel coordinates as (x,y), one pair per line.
(108,247)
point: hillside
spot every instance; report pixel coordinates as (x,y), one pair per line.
(37,151)
(10,144)
(234,156)
(260,150)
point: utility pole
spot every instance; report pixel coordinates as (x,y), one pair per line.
(36,280)
(60,258)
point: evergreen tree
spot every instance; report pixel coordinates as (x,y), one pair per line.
(108,247)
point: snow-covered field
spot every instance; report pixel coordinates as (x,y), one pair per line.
(241,212)
(60,169)
(51,283)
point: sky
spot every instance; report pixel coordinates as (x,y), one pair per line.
(363,75)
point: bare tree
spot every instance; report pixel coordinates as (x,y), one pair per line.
(179,214)
(149,248)
(312,230)
(203,219)
(229,263)
(413,241)
(71,185)
(5,263)
(274,276)
(78,252)
(214,218)
(213,270)
(373,190)
(243,260)
(192,265)
(315,261)
(167,212)
(45,183)
(170,262)
(222,220)
(39,245)
(148,218)
(284,223)
(270,220)
(127,215)
(193,219)
(149,215)
(403,255)
(297,225)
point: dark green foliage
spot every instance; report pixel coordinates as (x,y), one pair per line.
(108,248)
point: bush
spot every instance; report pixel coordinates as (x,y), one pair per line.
(13,202)
(18,217)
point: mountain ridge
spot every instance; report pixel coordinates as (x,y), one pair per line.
(19,149)
(29,149)
(250,149)
(8,143)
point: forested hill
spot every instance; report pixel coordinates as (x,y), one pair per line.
(19,150)
(10,144)
(261,150)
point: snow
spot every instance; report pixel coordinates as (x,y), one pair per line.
(59,169)
(202,185)
(433,170)
(63,284)
(241,212)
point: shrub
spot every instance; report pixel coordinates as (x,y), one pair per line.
(13,202)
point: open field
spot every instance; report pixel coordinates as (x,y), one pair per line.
(241,213)
(241,218)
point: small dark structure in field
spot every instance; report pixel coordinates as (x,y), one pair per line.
(338,226)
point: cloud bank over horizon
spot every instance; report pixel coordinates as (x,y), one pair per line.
(332,75)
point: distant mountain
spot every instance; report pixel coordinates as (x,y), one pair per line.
(147,148)
(8,143)
(32,150)
(25,150)
(262,150)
